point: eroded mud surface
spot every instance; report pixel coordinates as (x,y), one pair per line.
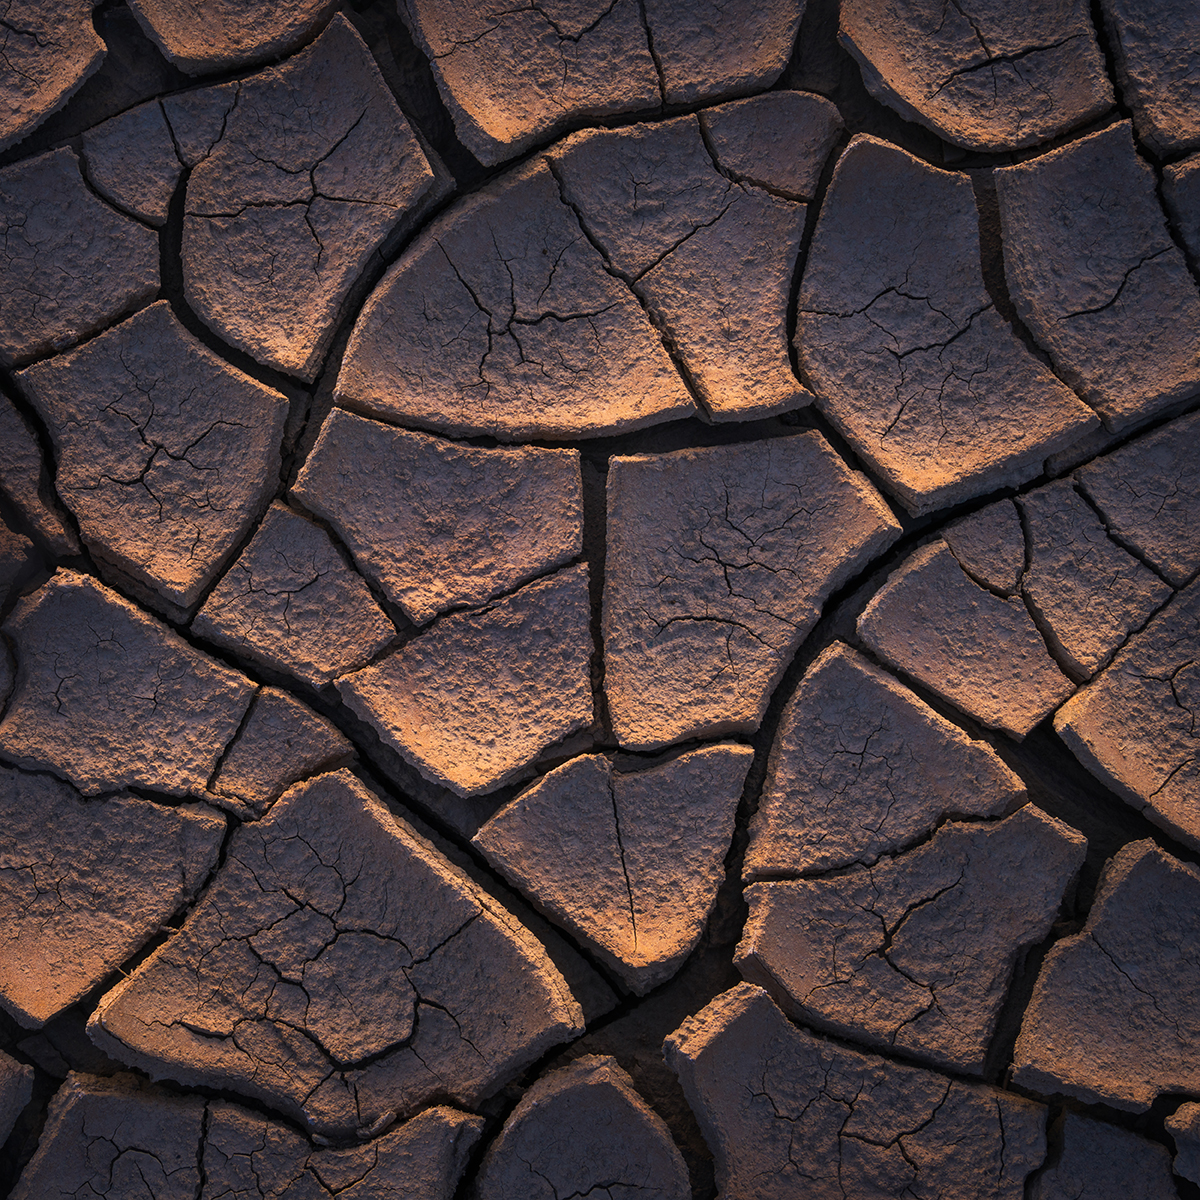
(599,600)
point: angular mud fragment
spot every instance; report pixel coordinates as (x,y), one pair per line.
(131,161)
(862,768)
(1149,495)
(990,547)
(982,75)
(47,48)
(474,700)
(903,346)
(16,1088)
(916,953)
(1096,277)
(71,263)
(583,1131)
(1113,1018)
(103,689)
(1184,1126)
(718,562)
(314,167)
(977,650)
(779,140)
(628,861)
(1134,726)
(281,741)
(166,454)
(501,319)
(1103,1162)
(198,118)
(711,259)
(84,884)
(438,525)
(25,480)
(787,1114)
(1181,194)
(1154,48)
(203,36)
(514,75)
(273,986)
(16,554)
(290,603)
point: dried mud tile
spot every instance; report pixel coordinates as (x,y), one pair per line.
(583,1130)
(981,74)
(25,480)
(501,319)
(512,76)
(472,701)
(902,344)
(1113,1018)
(1096,278)
(1181,195)
(1149,495)
(1134,726)
(72,264)
(131,161)
(16,554)
(290,603)
(203,36)
(108,697)
(166,454)
(272,987)
(977,650)
(47,48)
(281,742)
(197,119)
(787,1114)
(84,884)
(1103,1162)
(779,140)
(718,562)
(439,525)
(1087,592)
(314,168)
(990,546)
(1184,1126)
(1153,47)
(861,768)
(16,1089)
(916,953)
(628,861)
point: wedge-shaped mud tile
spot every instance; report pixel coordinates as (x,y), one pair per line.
(108,697)
(1087,592)
(860,768)
(1181,195)
(166,454)
(205,36)
(903,346)
(1097,278)
(712,260)
(981,74)
(580,1131)
(1184,1126)
(85,883)
(779,140)
(473,701)
(1149,495)
(314,168)
(26,482)
(291,603)
(916,953)
(719,560)
(439,525)
(501,319)
(979,651)
(281,741)
(131,160)
(339,969)
(1104,1162)
(628,861)
(789,1115)
(1113,1018)
(1134,726)
(1154,53)
(49,48)
(990,546)
(16,1090)
(16,556)
(72,264)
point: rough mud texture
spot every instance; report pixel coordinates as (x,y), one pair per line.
(522,523)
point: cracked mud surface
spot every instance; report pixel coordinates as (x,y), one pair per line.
(599,600)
